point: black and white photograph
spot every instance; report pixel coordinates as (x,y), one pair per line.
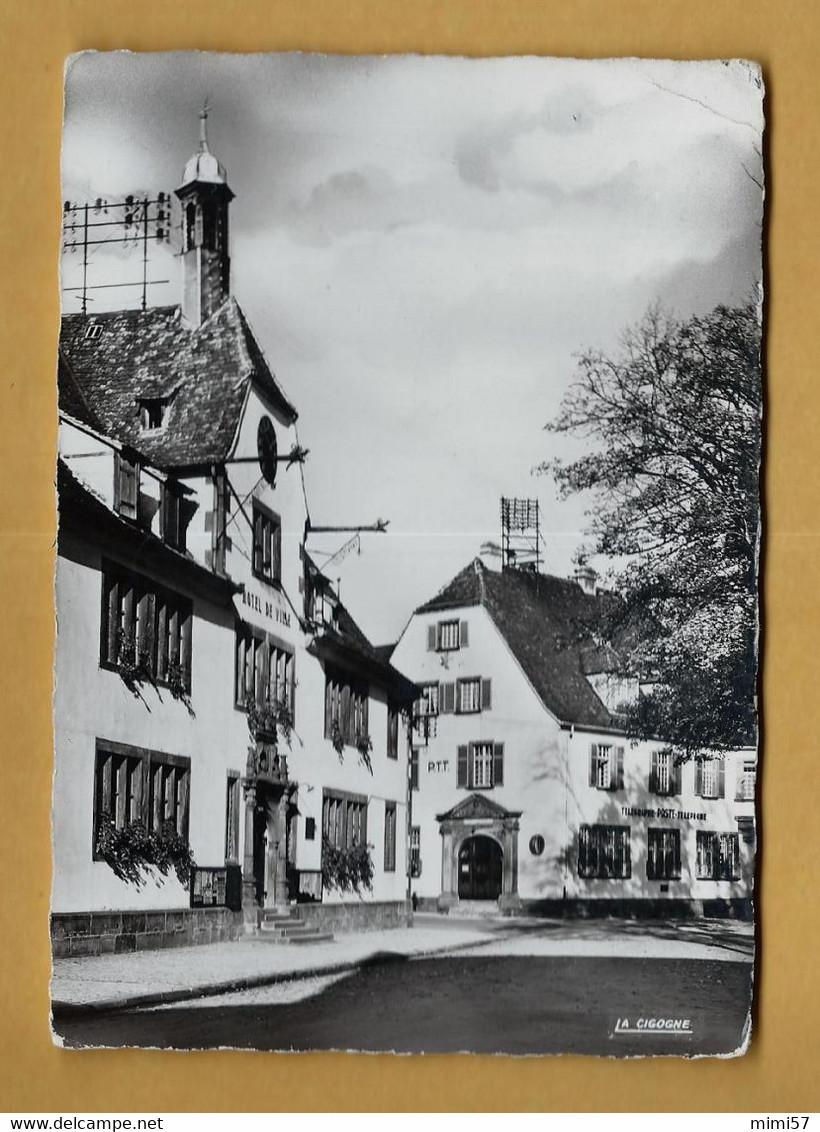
(406,676)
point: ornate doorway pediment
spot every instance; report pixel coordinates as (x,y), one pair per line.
(478,807)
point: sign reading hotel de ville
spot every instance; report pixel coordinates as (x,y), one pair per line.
(407,568)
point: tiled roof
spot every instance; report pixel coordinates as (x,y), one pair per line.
(345,637)
(203,372)
(70,397)
(543,619)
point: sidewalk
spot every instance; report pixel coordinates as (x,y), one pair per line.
(147,978)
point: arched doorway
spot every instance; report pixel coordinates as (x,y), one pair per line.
(480,869)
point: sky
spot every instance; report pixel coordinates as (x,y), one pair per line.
(422,246)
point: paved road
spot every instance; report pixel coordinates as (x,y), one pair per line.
(516,1005)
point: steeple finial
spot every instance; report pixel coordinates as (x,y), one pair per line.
(203,127)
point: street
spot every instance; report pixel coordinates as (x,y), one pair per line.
(502,1004)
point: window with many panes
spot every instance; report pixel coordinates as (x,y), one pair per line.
(606,766)
(447,636)
(389,837)
(746,782)
(146,629)
(415,851)
(346,707)
(604,852)
(709,778)
(480,766)
(414,768)
(344,819)
(468,695)
(140,786)
(664,775)
(265,670)
(717,855)
(425,714)
(267,544)
(663,854)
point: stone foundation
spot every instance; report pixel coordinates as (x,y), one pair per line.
(101,933)
(364,916)
(637,909)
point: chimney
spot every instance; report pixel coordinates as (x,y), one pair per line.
(586,578)
(206,267)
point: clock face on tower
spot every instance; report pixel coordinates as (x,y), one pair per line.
(267,448)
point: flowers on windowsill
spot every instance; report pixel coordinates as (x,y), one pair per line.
(134,852)
(347,870)
(269,719)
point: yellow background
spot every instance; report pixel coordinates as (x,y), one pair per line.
(780,1072)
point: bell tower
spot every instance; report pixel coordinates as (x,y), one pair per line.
(206,266)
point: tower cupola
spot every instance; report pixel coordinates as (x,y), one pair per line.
(205,198)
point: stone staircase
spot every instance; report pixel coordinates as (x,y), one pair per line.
(286,927)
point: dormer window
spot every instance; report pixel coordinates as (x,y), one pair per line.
(153,411)
(93,331)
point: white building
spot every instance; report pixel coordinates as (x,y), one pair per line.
(199,635)
(526,791)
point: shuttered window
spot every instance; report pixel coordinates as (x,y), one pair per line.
(745,791)
(265,670)
(709,778)
(480,766)
(126,486)
(414,769)
(344,819)
(145,628)
(172,528)
(663,854)
(606,766)
(604,852)
(664,775)
(447,636)
(346,706)
(267,544)
(415,851)
(146,787)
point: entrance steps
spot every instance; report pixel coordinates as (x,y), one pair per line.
(286,927)
(476,910)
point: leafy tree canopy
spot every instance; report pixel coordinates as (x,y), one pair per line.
(672,424)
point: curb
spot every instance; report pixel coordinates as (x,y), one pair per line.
(69,1010)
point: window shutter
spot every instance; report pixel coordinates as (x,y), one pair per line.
(113,621)
(447,698)
(653,774)
(463,636)
(698,778)
(498,764)
(431,638)
(619,768)
(148,643)
(276,564)
(721,778)
(676,853)
(185,659)
(676,781)
(486,695)
(626,849)
(593,764)
(462,766)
